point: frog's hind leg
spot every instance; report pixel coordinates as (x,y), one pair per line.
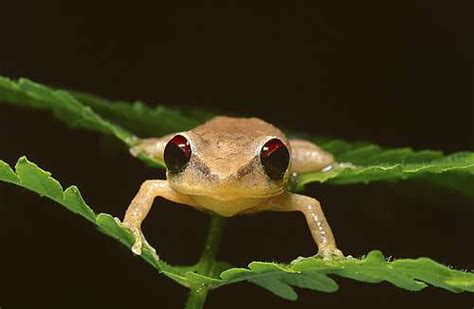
(317,223)
(308,157)
(142,202)
(152,147)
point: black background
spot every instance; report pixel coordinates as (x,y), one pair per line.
(396,74)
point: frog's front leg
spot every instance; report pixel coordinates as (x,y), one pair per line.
(142,202)
(317,223)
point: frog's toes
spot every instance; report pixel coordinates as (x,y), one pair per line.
(137,247)
(138,243)
(329,254)
(136,150)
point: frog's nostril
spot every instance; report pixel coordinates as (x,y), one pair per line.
(218,175)
(221,175)
(213,178)
(224,171)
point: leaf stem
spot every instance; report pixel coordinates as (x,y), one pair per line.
(205,266)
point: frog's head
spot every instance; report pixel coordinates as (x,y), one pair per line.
(227,167)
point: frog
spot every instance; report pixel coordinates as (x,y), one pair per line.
(232,166)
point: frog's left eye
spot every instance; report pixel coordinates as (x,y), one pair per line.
(177,154)
(275,158)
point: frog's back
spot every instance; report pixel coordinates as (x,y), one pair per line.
(241,128)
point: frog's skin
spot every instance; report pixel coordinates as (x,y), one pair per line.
(225,175)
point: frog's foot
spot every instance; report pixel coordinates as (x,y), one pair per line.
(137,233)
(330,253)
(136,150)
(152,147)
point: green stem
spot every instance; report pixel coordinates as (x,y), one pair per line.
(205,266)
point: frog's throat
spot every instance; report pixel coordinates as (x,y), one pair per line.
(226,207)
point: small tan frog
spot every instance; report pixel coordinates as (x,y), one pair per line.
(232,166)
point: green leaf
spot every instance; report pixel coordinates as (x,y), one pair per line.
(457,182)
(310,273)
(141,119)
(64,106)
(7,174)
(277,287)
(364,163)
(29,176)
(37,180)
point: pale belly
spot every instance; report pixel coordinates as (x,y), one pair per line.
(227,208)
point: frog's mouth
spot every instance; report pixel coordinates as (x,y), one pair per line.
(223,193)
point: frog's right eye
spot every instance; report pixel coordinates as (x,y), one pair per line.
(177,154)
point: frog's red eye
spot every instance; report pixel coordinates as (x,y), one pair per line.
(275,158)
(177,154)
